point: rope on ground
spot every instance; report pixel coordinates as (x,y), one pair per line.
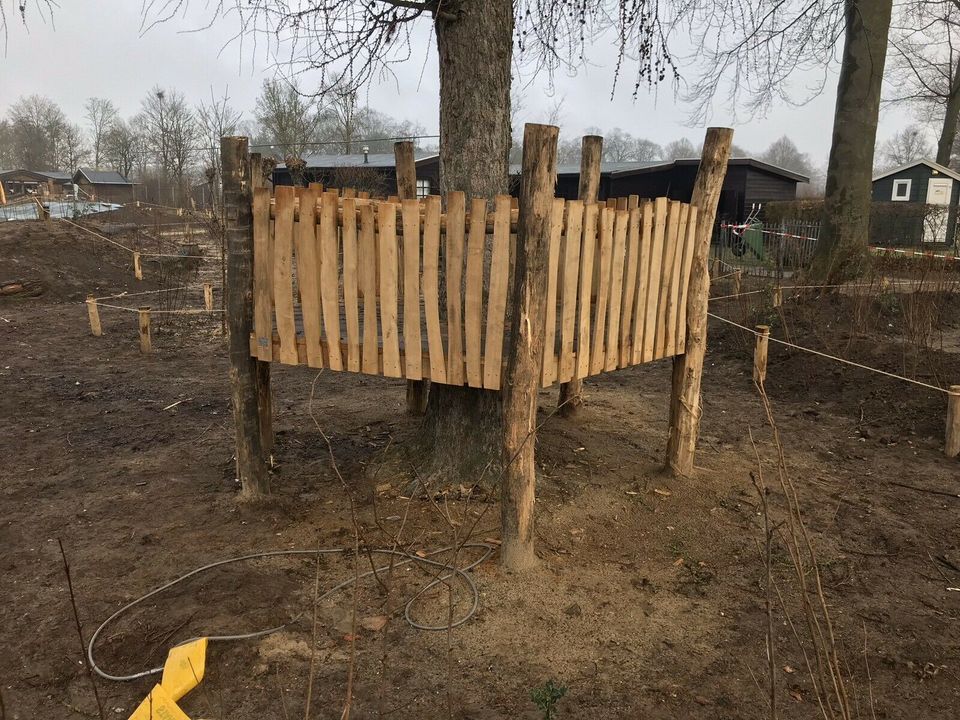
(102,237)
(833,357)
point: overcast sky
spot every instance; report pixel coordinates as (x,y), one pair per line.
(98,49)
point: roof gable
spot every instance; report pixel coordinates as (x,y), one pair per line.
(942,169)
(101,177)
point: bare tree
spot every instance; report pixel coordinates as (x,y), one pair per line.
(343,117)
(287,119)
(71,148)
(171,133)
(907,145)
(679,150)
(784,153)
(100,114)
(122,148)
(216,120)
(41,8)
(37,125)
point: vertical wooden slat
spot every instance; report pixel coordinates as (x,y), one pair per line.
(282,275)
(666,278)
(549,374)
(629,286)
(329,278)
(368,261)
(621,203)
(308,277)
(456,210)
(431,288)
(316,187)
(473,302)
(349,193)
(363,195)
(643,281)
(597,352)
(587,252)
(571,269)
(633,201)
(387,237)
(413,347)
(497,296)
(351,309)
(676,273)
(688,238)
(262,274)
(616,288)
(654,278)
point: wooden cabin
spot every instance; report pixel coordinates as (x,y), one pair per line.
(104,186)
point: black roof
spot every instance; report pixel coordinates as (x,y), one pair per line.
(102,177)
(372,160)
(624,169)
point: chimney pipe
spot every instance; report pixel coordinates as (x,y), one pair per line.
(366,154)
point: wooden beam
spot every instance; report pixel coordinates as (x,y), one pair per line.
(685,403)
(524,363)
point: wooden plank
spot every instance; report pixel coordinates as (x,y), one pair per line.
(387,238)
(571,269)
(329,278)
(456,211)
(363,195)
(473,301)
(349,193)
(621,220)
(633,201)
(262,274)
(411,288)
(690,235)
(666,278)
(497,295)
(549,374)
(654,279)
(676,273)
(351,304)
(282,274)
(629,287)
(368,262)
(597,351)
(316,187)
(643,280)
(587,252)
(621,204)
(431,288)
(308,278)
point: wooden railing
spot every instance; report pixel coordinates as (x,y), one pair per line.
(418,291)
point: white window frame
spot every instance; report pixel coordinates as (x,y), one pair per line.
(905,184)
(423,188)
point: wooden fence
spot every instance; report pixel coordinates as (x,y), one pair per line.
(410,290)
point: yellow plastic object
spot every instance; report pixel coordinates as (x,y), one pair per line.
(183,670)
(158,705)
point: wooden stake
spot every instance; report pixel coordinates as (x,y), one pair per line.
(571,393)
(238,297)
(208,296)
(94,314)
(688,368)
(760,354)
(777,297)
(143,315)
(525,360)
(137,268)
(952,445)
(417,390)
(737,282)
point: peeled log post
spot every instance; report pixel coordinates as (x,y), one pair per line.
(207,297)
(417,390)
(760,354)
(571,393)
(688,367)
(143,317)
(238,297)
(525,360)
(137,267)
(952,445)
(94,314)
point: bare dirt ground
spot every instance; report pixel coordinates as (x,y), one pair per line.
(649,598)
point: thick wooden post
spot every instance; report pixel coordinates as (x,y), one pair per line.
(952,445)
(238,297)
(591,153)
(137,268)
(94,314)
(525,361)
(777,296)
(737,281)
(417,390)
(143,316)
(760,354)
(3,195)
(264,391)
(688,368)
(208,297)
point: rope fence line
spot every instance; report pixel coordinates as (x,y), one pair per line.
(185,311)
(96,234)
(148,292)
(137,252)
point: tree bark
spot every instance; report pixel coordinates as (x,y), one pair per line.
(948,132)
(591,154)
(525,360)
(842,248)
(461,427)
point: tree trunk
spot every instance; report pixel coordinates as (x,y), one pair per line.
(948,132)
(842,248)
(474,41)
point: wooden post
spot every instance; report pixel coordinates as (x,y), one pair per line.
(688,368)
(571,393)
(143,315)
(238,296)
(264,391)
(525,361)
(777,297)
(137,268)
(3,195)
(737,282)
(760,354)
(417,390)
(94,314)
(208,296)
(952,446)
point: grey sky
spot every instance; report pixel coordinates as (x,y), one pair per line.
(97,49)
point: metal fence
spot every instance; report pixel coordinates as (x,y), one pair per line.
(775,251)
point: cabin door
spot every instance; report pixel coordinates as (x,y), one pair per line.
(939,192)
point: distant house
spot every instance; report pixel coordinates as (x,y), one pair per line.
(922,183)
(43,183)
(373,172)
(104,185)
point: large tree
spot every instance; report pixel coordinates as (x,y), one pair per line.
(100,115)
(37,127)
